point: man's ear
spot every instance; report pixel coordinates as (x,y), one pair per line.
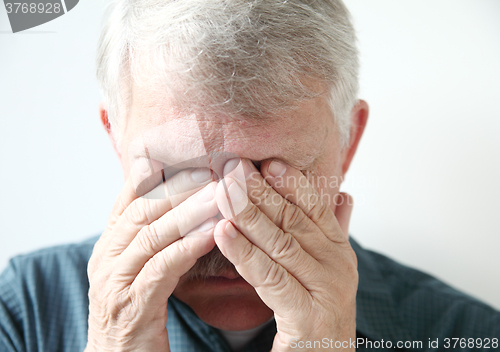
(359,117)
(103,113)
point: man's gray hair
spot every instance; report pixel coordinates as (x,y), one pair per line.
(244,57)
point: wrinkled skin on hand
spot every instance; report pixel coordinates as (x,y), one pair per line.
(147,246)
(288,244)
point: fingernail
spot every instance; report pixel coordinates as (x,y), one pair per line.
(230,230)
(276,169)
(201,175)
(206,194)
(231,165)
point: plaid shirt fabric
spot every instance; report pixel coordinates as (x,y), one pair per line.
(44,307)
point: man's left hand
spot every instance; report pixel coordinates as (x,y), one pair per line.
(286,241)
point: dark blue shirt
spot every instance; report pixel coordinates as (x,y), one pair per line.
(44,307)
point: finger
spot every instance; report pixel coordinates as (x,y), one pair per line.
(167,229)
(158,278)
(280,246)
(259,192)
(142,169)
(343,211)
(206,227)
(285,215)
(294,186)
(270,279)
(143,211)
(145,175)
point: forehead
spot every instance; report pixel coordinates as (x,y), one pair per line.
(157,129)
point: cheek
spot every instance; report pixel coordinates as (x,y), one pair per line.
(327,178)
(124,157)
(327,187)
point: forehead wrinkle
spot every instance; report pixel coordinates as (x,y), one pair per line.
(219,137)
(278,137)
(300,153)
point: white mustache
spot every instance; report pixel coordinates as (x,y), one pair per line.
(211,264)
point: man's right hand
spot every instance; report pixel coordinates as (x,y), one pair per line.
(147,246)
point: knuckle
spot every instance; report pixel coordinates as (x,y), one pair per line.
(164,264)
(284,245)
(261,192)
(321,212)
(247,253)
(250,216)
(137,213)
(156,266)
(275,277)
(184,248)
(292,217)
(148,239)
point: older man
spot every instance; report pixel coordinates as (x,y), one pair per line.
(235,122)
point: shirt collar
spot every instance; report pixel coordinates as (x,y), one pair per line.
(192,334)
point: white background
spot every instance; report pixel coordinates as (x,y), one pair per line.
(425,180)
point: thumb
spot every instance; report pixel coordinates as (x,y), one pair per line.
(343,211)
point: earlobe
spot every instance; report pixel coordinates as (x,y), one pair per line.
(359,117)
(103,113)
